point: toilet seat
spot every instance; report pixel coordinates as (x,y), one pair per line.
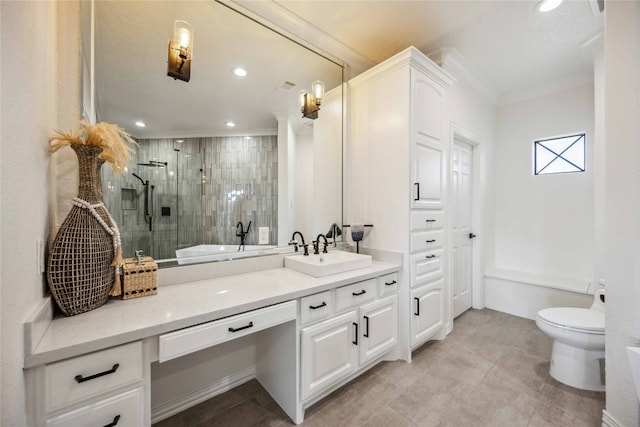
(574,319)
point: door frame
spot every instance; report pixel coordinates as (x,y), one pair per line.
(460,133)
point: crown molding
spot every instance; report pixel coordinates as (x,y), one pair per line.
(280,19)
(452,61)
(413,57)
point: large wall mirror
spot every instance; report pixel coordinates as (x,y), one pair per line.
(193,177)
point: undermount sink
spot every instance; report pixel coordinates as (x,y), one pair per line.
(327,264)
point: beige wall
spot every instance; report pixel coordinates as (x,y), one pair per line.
(39,86)
(622,210)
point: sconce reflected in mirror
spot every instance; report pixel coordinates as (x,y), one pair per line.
(310,102)
(180,51)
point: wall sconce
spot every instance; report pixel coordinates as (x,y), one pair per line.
(310,102)
(180,51)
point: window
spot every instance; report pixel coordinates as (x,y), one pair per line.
(559,155)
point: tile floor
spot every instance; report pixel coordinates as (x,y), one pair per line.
(492,370)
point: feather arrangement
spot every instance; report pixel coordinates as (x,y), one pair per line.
(114,141)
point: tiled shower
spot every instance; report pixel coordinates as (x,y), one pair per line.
(206,186)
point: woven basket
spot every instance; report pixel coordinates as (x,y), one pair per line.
(79,273)
(139,280)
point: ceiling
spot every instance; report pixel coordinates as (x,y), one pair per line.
(517,50)
(131,44)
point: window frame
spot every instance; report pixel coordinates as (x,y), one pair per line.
(536,142)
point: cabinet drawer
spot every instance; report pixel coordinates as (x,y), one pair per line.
(356,294)
(427,240)
(388,284)
(426,267)
(427,220)
(74,380)
(316,307)
(185,341)
(124,410)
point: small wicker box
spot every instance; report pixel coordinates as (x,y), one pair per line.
(139,280)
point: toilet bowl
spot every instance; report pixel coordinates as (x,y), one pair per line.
(577,356)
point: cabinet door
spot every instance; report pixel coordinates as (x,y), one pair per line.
(329,353)
(426,138)
(427,170)
(378,328)
(427,315)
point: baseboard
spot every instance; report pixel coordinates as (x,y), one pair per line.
(173,407)
(608,420)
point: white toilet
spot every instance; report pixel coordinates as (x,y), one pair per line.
(578,343)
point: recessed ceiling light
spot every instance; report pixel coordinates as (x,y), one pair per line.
(240,72)
(141,124)
(179,141)
(230,124)
(547,5)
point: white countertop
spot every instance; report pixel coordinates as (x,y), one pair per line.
(183,305)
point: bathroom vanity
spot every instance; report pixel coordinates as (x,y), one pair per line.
(312,335)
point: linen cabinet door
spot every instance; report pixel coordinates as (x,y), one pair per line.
(427,171)
(379,328)
(427,316)
(329,353)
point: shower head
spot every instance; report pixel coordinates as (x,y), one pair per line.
(154,164)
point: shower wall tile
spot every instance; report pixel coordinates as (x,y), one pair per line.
(209,185)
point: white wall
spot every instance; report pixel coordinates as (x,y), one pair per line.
(622,213)
(40,92)
(544,224)
(304,183)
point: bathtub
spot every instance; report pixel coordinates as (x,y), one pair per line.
(206,253)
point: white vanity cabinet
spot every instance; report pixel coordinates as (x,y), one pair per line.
(108,387)
(363,328)
(398,156)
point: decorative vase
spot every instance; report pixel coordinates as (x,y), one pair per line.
(80,268)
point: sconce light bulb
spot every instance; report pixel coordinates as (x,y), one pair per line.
(317,88)
(183,35)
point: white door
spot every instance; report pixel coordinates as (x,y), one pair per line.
(378,328)
(329,352)
(462,162)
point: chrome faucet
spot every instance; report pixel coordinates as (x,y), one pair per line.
(294,242)
(316,245)
(242,233)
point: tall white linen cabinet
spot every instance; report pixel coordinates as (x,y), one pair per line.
(396,179)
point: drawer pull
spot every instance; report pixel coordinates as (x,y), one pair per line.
(355,294)
(417,184)
(431,241)
(430,256)
(250,325)
(417,313)
(315,307)
(81,379)
(366,323)
(431,220)
(114,422)
(356,340)
(391,283)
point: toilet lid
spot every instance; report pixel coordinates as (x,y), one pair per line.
(574,318)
